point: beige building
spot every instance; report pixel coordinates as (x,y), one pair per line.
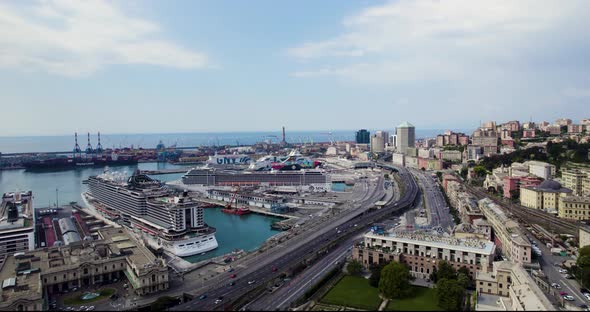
(28,277)
(511,280)
(544,196)
(455,156)
(584,233)
(574,207)
(574,180)
(541,169)
(422,251)
(507,233)
(465,203)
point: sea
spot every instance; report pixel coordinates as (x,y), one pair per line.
(43,144)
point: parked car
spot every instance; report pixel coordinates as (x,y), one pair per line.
(587,295)
(584,291)
(556,286)
(274,269)
(230,270)
(562,271)
(232,283)
(251,282)
(563,293)
(203,297)
(569,276)
(233,276)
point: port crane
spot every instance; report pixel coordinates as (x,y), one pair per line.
(233,196)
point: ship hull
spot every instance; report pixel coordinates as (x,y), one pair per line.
(238,212)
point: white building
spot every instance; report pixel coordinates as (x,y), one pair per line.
(541,169)
(17,223)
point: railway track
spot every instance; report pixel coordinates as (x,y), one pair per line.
(531,216)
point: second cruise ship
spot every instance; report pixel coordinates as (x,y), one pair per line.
(164,219)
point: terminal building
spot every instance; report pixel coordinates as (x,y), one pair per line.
(421,252)
(310,180)
(17,224)
(27,278)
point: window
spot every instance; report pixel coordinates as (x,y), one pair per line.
(500,285)
(54,278)
(113,266)
(481,283)
(85,270)
(489,284)
(153,278)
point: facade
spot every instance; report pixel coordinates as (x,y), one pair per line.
(512,126)
(563,122)
(465,203)
(553,129)
(529,133)
(487,140)
(430,163)
(507,233)
(574,207)
(574,180)
(406,136)
(544,196)
(30,276)
(474,152)
(575,128)
(584,234)
(421,252)
(512,184)
(377,143)
(454,156)
(363,136)
(511,280)
(541,169)
(17,223)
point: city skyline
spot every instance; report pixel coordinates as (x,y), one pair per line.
(148,67)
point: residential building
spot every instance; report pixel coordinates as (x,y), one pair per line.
(511,280)
(512,126)
(425,153)
(574,207)
(363,136)
(529,133)
(28,277)
(585,121)
(584,234)
(512,184)
(489,125)
(468,230)
(553,129)
(17,223)
(422,251)
(474,152)
(465,203)
(528,125)
(398,159)
(487,139)
(406,136)
(541,169)
(430,163)
(507,233)
(544,196)
(377,144)
(574,180)
(563,122)
(575,128)
(453,156)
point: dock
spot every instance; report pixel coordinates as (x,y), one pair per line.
(254,209)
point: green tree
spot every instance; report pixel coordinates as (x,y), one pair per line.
(445,271)
(375,275)
(480,171)
(439,175)
(354,267)
(449,294)
(463,280)
(395,280)
(464,172)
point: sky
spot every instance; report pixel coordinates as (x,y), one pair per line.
(205,66)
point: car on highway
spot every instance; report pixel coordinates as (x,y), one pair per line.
(568,276)
(232,276)
(584,291)
(583,306)
(274,269)
(230,270)
(556,286)
(563,293)
(562,271)
(232,283)
(587,296)
(203,297)
(251,282)
(568,298)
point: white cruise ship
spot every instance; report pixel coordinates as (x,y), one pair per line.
(165,220)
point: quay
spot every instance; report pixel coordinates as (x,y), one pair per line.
(254,209)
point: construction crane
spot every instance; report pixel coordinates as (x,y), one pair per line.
(233,197)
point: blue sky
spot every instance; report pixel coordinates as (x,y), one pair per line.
(194,66)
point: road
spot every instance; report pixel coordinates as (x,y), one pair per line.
(293,251)
(282,298)
(434,201)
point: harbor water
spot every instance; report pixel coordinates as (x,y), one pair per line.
(233,232)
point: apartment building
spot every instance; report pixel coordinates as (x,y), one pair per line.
(511,280)
(574,208)
(422,251)
(544,196)
(507,234)
(574,180)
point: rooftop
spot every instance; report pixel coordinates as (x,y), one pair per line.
(16,211)
(421,238)
(405,124)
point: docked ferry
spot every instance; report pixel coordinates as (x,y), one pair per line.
(173,222)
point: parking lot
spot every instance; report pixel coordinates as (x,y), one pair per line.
(115,302)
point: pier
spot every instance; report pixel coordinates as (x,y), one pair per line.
(254,209)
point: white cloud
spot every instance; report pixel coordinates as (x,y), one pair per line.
(577,92)
(410,40)
(77,38)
